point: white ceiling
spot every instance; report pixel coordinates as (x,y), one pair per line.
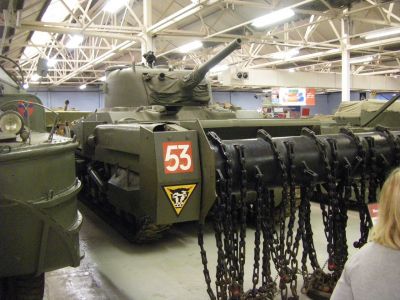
(43,28)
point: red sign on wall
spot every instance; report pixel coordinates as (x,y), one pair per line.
(177,157)
(310,97)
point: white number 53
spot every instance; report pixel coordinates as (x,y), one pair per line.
(178,157)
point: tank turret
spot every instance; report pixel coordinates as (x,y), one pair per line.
(141,86)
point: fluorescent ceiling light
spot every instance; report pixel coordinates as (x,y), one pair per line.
(51,62)
(273,17)
(114,6)
(381,33)
(190,46)
(361,59)
(26,86)
(103,78)
(74,41)
(82,87)
(219,68)
(185,12)
(35,77)
(285,54)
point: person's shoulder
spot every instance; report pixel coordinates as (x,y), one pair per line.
(375,247)
(368,247)
(362,253)
(370,251)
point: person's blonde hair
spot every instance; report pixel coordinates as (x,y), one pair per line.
(387,231)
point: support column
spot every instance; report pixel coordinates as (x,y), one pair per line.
(346,76)
(286,35)
(147,22)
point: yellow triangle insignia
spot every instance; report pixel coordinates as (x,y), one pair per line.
(178,195)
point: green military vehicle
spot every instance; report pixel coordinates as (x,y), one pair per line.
(40,222)
(158,155)
(141,158)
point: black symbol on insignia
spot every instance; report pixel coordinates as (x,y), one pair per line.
(179,196)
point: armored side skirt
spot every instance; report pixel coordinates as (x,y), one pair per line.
(39,221)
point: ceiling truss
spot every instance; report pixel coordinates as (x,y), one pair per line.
(163,26)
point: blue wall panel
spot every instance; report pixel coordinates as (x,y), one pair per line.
(80,100)
(321,105)
(92,100)
(384,96)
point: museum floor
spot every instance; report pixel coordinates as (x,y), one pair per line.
(168,269)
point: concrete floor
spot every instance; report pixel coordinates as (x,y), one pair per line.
(168,269)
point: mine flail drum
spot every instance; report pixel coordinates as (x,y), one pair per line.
(336,170)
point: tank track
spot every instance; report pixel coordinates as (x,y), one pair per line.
(134,230)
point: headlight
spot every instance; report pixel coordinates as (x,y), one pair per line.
(11,122)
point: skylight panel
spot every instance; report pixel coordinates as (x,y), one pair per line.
(74,41)
(57,12)
(114,6)
(30,52)
(40,38)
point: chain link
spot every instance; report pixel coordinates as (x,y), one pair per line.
(360,192)
(276,241)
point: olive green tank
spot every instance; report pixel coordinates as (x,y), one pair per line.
(145,159)
(39,221)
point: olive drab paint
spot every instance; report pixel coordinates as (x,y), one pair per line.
(152,136)
(40,222)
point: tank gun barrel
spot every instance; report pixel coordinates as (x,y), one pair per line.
(197,75)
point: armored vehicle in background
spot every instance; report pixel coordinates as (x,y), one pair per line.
(158,155)
(66,116)
(40,222)
(362,116)
(369,112)
(144,158)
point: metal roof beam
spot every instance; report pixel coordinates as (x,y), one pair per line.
(379,43)
(73,30)
(180,15)
(283,78)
